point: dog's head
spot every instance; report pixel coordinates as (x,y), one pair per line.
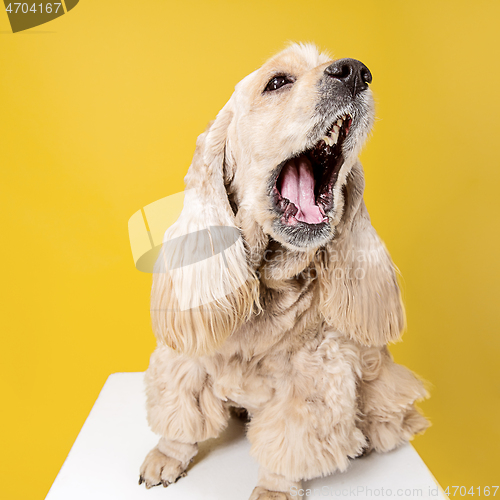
(298,124)
(277,164)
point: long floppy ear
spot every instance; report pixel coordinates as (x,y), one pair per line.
(360,295)
(202,285)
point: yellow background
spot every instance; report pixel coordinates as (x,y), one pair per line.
(99,112)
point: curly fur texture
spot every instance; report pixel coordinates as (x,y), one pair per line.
(291,327)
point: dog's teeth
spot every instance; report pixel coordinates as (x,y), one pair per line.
(336,129)
(334,136)
(327,140)
(339,122)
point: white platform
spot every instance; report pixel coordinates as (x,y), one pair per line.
(105,460)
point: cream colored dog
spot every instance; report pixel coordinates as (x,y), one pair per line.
(291,320)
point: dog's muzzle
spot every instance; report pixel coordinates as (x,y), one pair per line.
(302,186)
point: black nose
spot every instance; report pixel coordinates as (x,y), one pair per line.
(352,73)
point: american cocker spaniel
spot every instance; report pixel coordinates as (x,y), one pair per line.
(273,292)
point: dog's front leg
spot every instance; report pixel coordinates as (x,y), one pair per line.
(166,463)
(308,429)
(273,486)
(183,409)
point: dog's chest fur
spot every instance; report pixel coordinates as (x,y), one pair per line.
(284,342)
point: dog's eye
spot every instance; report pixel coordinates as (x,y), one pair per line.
(277,82)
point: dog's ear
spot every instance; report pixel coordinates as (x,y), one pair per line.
(202,285)
(359,291)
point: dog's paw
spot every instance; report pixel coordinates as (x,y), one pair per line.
(159,468)
(260,493)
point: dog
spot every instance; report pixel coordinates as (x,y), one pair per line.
(291,319)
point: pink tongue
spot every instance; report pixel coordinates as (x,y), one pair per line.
(298,186)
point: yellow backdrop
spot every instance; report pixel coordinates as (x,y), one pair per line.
(99,112)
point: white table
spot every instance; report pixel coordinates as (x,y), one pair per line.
(105,459)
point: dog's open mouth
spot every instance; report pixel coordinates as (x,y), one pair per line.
(303,191)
